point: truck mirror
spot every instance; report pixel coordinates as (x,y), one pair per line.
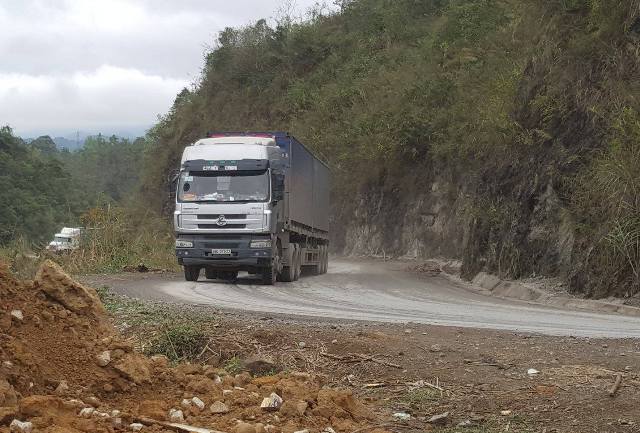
(173,180)
(278,187)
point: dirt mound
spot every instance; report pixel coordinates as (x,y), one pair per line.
(64,368)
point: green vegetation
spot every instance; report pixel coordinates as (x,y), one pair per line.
(524,113)
(178,343)
(43,189)
(159,328)
(35,190)
(420,399)
(233,366)
(118,237)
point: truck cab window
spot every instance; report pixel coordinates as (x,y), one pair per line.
(207,186)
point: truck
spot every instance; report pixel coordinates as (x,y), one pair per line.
(256,202)
(67,240)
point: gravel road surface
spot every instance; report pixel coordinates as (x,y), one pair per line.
(377,291)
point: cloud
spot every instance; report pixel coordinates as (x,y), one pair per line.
(79,64)
(110,97)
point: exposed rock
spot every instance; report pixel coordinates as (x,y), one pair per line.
(176,415)
(402,416)
(20,427)
(62,388)
(103,358)
(435,348)
(136,426)
(87,412)
(198,403)
(134,368)
(57,285)
(219,408)
(17,315)
(271,403)
(439,419)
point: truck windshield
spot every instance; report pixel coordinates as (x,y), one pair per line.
(215,186)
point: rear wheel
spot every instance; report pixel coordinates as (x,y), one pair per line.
(191,273)
(325,259)
(317,268)
(288,272)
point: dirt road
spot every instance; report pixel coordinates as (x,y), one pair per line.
(377,291)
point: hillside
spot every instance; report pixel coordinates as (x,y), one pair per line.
(502,132)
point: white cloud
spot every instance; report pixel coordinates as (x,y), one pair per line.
(80,64)
(108,98)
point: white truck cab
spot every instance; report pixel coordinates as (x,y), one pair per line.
(67,240)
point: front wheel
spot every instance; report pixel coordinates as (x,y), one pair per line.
(191,273)
(269,275)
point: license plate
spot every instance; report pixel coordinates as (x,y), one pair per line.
(221,252)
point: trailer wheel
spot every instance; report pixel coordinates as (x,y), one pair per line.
(325,259)
(317,268)
(297,262)
(191,273)
(288,272)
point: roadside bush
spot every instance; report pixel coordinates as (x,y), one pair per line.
(117,237)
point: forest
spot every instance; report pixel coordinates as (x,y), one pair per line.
(43,189)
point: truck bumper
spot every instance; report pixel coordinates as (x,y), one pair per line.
(242,257)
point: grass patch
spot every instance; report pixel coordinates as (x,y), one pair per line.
(233,365)
(178,343)
(160,329)
(515,424)
(419,399)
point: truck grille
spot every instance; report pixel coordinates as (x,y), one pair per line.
(227,216)
(216,226)
(212,245)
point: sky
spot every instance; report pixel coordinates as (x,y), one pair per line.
(109,66)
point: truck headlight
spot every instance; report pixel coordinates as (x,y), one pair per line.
(183,244)
(261,244)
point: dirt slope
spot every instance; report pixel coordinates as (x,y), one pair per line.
(64,368)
